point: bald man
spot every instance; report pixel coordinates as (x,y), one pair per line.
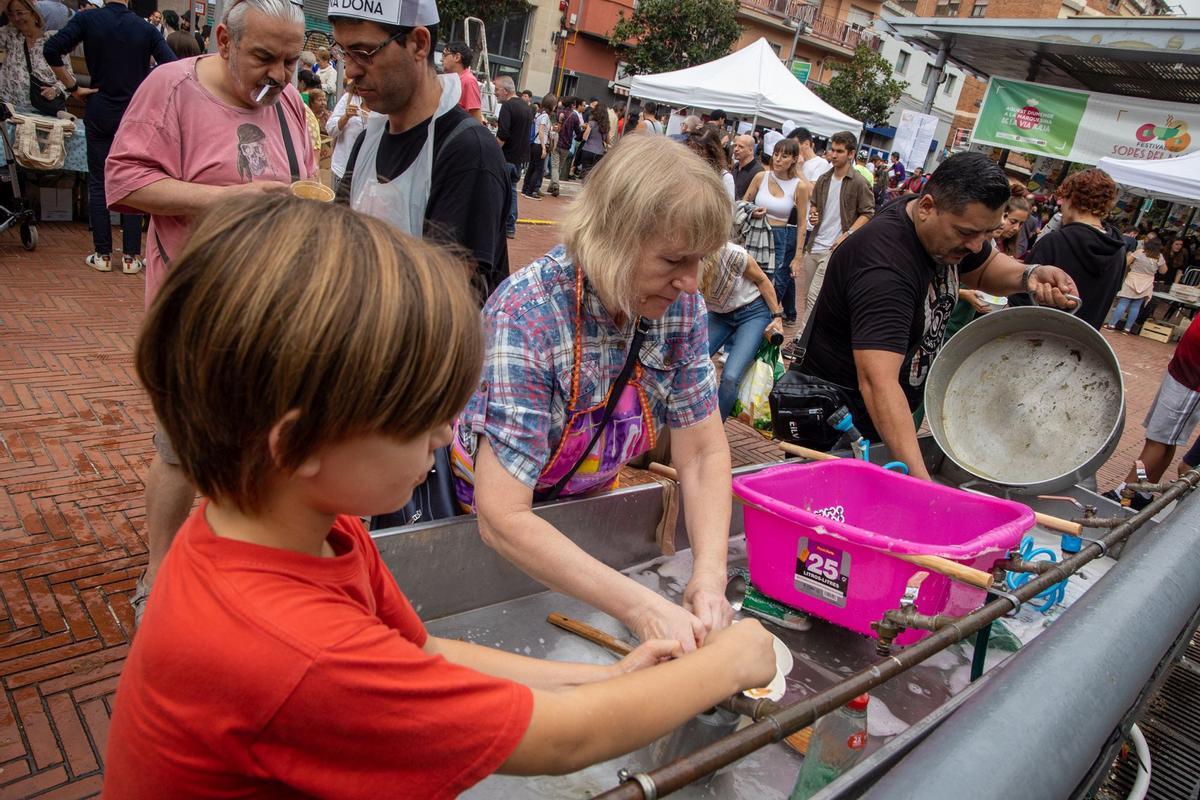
(745,165)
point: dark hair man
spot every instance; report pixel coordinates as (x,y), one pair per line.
(896,171)
(570,127)
(880,319)
(422,164)
(842,202)
(456,59)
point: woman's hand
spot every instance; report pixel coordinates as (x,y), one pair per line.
(647,654)
(774,326)
(977,302)
(705,597)
(662,619)
(758,213)
(51,92)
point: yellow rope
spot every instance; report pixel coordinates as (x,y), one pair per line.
(537,222)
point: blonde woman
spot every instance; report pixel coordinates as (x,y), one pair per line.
(776,194)
(616,304)
(23,38)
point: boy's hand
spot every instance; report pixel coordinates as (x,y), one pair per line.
(648,654)
(662,619)
(750,649)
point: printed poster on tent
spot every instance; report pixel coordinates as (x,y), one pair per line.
(1082,127)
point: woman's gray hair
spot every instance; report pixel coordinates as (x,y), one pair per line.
(284,10)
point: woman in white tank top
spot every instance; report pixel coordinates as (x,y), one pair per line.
(776,193)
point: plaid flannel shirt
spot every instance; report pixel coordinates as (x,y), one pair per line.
(529,327)
(754,234)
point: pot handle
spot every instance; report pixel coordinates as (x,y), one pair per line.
(1074,310)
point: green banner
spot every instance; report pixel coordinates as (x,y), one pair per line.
(1030,117)
(802,69)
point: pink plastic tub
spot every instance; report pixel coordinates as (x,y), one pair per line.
(816,544)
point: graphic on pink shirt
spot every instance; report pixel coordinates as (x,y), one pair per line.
(252,158)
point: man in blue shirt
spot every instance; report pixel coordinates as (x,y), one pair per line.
(117,46)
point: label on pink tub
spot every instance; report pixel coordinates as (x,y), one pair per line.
(822,572)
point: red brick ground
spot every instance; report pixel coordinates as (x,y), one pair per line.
(74,446)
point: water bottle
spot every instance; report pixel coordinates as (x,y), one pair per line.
(838,742)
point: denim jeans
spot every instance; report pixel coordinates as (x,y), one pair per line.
(514,176)
(535,170)
(1131,304)
(100,133)
(742,329)
(785,284)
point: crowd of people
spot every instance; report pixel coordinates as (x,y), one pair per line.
(311,365)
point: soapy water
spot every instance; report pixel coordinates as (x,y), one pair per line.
(881,721)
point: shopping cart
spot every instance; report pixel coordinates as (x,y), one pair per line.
(16,212)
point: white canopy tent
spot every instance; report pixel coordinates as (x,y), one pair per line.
(1174,179)
(751,82)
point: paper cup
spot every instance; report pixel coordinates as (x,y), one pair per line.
(312,190)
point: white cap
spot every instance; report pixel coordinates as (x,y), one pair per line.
(770,139)
(405,13)
(789,126)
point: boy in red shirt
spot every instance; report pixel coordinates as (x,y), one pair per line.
(306,362)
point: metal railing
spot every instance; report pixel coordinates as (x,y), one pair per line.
(819,26)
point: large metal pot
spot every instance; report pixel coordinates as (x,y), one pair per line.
(1029,398)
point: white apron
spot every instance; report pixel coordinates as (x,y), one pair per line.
(402,200)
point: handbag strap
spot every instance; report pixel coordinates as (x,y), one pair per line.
(801,348)
(614,395)
(293,164)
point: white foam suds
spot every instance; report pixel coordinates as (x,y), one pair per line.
(881,721)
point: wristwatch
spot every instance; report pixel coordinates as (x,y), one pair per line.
(777,315)
(71,89)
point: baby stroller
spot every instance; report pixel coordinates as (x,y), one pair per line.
(17,212)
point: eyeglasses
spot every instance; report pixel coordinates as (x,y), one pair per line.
(363,57)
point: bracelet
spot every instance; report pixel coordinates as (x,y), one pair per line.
(71,89)
(1026,275)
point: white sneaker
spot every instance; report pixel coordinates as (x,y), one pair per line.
(99,263)
(132,265)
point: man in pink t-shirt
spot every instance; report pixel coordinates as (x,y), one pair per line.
(199,131)
(456,58)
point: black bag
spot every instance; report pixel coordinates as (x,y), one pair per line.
(41,105)
(802,404)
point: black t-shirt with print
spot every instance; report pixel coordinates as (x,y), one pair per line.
(882,291)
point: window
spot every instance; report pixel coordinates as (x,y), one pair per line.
(979,9)
(926,74)
(860,16)
(948,84)
(1114,5)
(944,9)
(902,62)
(778,48)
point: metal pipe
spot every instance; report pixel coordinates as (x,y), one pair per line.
(677,774)
(935,76)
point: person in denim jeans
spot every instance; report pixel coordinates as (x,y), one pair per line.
(741,308)
(1138,285)
(776,193)
(514,122)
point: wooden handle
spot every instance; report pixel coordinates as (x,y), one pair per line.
(1059,524)
(804,452)
(663,470)
(951,569)
(593,635)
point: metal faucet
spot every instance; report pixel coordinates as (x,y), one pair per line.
(897,620)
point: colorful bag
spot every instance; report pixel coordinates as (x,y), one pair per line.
(753,405)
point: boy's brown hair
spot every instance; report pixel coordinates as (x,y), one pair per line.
(278,303)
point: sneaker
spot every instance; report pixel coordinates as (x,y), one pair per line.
(132,265)
(138,601)
(554,192)
(100,263)
(511,234)
(537,194)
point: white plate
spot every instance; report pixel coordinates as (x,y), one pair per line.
(783,666)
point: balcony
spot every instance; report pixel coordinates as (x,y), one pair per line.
(821,29)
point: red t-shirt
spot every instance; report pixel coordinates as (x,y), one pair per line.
(1185,364)
(268,673)
(471,99)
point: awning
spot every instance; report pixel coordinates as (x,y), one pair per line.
(1153,57)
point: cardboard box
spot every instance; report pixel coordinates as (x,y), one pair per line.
(1157,331)
(56,204)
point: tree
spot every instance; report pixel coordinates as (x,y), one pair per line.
(664,35)
(864,88)
(490,11)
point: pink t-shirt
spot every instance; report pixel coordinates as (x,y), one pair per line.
(175,128)
(471,100)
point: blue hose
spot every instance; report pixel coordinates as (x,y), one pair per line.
(1050,597)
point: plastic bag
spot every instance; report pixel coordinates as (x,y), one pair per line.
(753,406)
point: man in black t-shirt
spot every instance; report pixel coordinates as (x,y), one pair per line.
(889,288)
(428,168)
(514,124)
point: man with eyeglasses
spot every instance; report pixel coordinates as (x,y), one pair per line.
(423,164)
(199,131)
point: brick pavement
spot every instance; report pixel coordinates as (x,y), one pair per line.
(74,446)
